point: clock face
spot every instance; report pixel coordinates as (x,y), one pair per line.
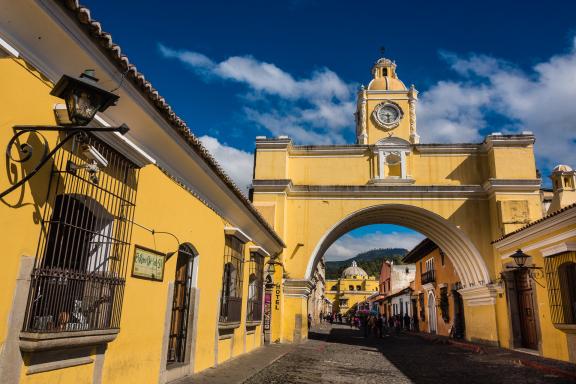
(388,114)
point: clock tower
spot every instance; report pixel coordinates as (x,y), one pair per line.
(386,108)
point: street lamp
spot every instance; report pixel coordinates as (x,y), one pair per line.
(271,267)
(83,97)
(520,258)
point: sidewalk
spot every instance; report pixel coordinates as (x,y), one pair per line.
(542,364)
(241,368)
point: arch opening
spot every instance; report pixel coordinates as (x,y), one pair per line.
(467,261)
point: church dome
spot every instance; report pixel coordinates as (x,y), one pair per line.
(562,168)
(354,272)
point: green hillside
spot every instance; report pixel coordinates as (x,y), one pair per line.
(370,261)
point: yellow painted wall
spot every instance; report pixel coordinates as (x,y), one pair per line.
(134,356)
(554,342)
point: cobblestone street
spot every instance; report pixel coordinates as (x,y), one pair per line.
(343,355)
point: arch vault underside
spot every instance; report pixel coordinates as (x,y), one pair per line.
(468,262)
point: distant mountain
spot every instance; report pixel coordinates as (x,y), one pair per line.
(370,261)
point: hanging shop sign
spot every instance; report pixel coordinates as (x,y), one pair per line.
(148,264)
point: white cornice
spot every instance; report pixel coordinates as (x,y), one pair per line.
(237,233)
(559,248)
(476,296)
(512,185)
(259,250)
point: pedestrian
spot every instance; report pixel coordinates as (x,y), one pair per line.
(364,321)
(406,321)
(379,326)
(309,321)
(321,316)
(397,324)
(371,324)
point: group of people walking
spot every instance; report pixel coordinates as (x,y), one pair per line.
(378,325)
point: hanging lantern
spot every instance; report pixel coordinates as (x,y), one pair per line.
(520,258)
(271,267)
(83,97)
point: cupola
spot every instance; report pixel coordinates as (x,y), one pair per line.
(384,77)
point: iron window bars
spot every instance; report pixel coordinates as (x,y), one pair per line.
(255,286)
(231,298)
(78,279)
(561,277)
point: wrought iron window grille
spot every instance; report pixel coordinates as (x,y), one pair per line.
(255,286)
(560,273)
(231,297)
(78,278)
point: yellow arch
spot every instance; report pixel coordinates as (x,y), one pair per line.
(468,262)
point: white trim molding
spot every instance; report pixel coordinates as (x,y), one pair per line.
(8,48)
(476,296)
(237,233)
(259,250)
(297,287)
(559,248)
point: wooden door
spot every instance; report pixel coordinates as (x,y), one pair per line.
(180,306)
(526,311)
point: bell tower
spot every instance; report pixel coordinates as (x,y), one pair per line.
(386,108)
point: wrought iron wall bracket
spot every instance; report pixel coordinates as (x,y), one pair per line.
(25,150)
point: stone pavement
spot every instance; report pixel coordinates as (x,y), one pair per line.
(343,355)
(238,370)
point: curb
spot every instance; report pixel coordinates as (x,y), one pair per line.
(547,369)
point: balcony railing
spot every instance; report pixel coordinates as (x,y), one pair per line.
(428,277)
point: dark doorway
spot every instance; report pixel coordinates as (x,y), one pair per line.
(459,323)
(526,313)
(177,343)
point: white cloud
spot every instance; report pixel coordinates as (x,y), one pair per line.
(312,110)
(237,164)
(540,100)
(349,246)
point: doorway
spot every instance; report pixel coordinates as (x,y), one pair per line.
(178,338)
(526,312)
(431,312)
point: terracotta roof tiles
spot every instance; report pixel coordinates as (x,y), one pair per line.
(104,40)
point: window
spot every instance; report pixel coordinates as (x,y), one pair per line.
(181,305)
(77,283)
(231,299)
(444,304)
(561,276)
(255,286)
(350,287)
(334,287)
(358,287)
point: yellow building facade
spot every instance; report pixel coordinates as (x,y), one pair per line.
(541,300)
(461,196)
(127,258)
(353,287)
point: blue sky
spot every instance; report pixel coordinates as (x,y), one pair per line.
(234,70)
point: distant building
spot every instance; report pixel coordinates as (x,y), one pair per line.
(436,300)
(394,286)
(353,287)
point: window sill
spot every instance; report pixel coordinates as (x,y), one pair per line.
(254,323)
(230,325)
(41,341)
(568,328)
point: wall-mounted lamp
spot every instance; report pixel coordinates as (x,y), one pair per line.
(83,99)
(520,259)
